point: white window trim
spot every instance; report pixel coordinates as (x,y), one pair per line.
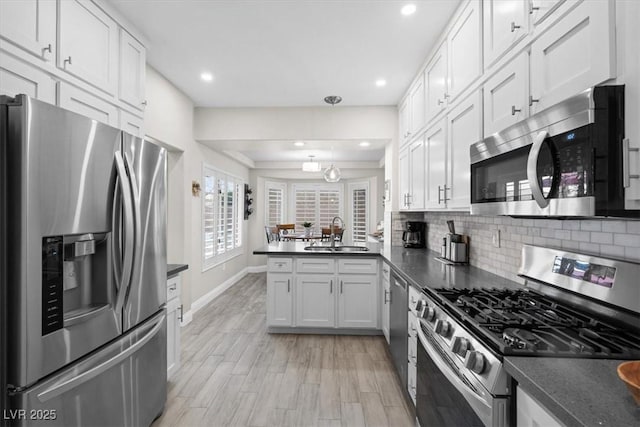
(280,186)
(238,220)
(361,185)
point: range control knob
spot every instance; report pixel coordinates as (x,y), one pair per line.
(460,345)
(442,327)
(429,314)
(474,360)
(420,305)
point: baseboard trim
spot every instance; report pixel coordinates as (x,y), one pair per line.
(202,302)
(323,331)
(257,269)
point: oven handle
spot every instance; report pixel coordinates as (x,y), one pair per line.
(532,170)
(476,401)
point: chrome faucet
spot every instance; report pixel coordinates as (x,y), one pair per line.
(332,229)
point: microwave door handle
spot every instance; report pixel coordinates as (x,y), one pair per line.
(532,169)
(127,203)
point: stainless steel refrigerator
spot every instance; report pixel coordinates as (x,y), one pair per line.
(83,270)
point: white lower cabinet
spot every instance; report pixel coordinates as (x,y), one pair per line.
(279,299)
(174,317)
(323,292)
(529,413)
(315,300)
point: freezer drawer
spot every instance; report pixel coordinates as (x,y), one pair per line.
(122,384)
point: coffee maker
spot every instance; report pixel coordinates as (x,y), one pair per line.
(414,234)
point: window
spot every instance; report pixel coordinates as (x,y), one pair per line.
(222,205)
(316,203)
(359,211)
(275,203)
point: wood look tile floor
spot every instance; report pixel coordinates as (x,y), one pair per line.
(235,373)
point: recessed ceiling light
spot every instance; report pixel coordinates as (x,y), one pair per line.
(299,144)
(207,77)
(408,9)
(365,144)
(381,82)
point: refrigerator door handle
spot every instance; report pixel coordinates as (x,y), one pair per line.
(137,227)
(116,235)
(129,228)
(93,371)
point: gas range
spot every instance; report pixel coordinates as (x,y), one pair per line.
(570,305)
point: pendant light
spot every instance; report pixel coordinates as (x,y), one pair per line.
(311,166)
(332,173)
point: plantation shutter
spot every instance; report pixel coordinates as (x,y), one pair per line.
(208,216)
(305,207)
(275,204)
(359,214)
(328,206)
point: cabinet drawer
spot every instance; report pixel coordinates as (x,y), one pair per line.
(358,266)
(412,325)
(315,265)
(280,265)
(173,288)
(412,351)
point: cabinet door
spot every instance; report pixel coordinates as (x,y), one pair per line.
(417,161)
(464,127)
(279,300)
(573,55)
(505,23)
(465,49)
(20,77)
(435,77)
(436,144)
(404,178)
(506,95)
(529,413)
(81,102)
(416,102)
(540,10)
(30,24)
(131,123)
(88,44)
(315,300)
(403,120)
(358,301)
(132,71)
(386,292)
(173,336)
(411,381)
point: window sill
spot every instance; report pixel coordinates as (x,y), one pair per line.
(221,259)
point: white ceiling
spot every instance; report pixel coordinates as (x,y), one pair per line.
(272,53)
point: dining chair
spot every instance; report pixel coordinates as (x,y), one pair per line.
(284,229)
(326,234)
(271,233)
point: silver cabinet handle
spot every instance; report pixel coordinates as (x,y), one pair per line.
(532,170)
(514,110)
(514,27)
(532,8)
(331,287)
(47,48)
(340,286)
(288,285)
(67,61)
(181,313)
(447,96)
(439,192)
(626,167)
(144,102)
(532,100)
(440,102)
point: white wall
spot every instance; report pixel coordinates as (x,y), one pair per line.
(169,120)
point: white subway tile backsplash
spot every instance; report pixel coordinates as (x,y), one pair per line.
(608,238)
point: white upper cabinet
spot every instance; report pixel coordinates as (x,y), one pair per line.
(465,50)
(403,120)
(88,44)
(132,71)
(541,10)
(81,102)
(416,102)
(573,55)
(435,77)
(505,23)
(417,167)
(17,76)
(506,95)
(131,123)
(436,172)
(404,177)
(464,127)
(31,25)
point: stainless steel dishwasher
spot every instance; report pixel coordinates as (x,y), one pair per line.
(398,325)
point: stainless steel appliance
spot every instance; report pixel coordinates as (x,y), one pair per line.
(398,319)
(414,234)
(86,268)
(571,305)
(568,160)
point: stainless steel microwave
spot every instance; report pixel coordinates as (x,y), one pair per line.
(565,161)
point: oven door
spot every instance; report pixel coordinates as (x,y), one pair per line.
(445,398)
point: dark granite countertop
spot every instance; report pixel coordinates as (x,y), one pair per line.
(173,269)
(579,392)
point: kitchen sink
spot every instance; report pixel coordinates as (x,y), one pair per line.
(336,248)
